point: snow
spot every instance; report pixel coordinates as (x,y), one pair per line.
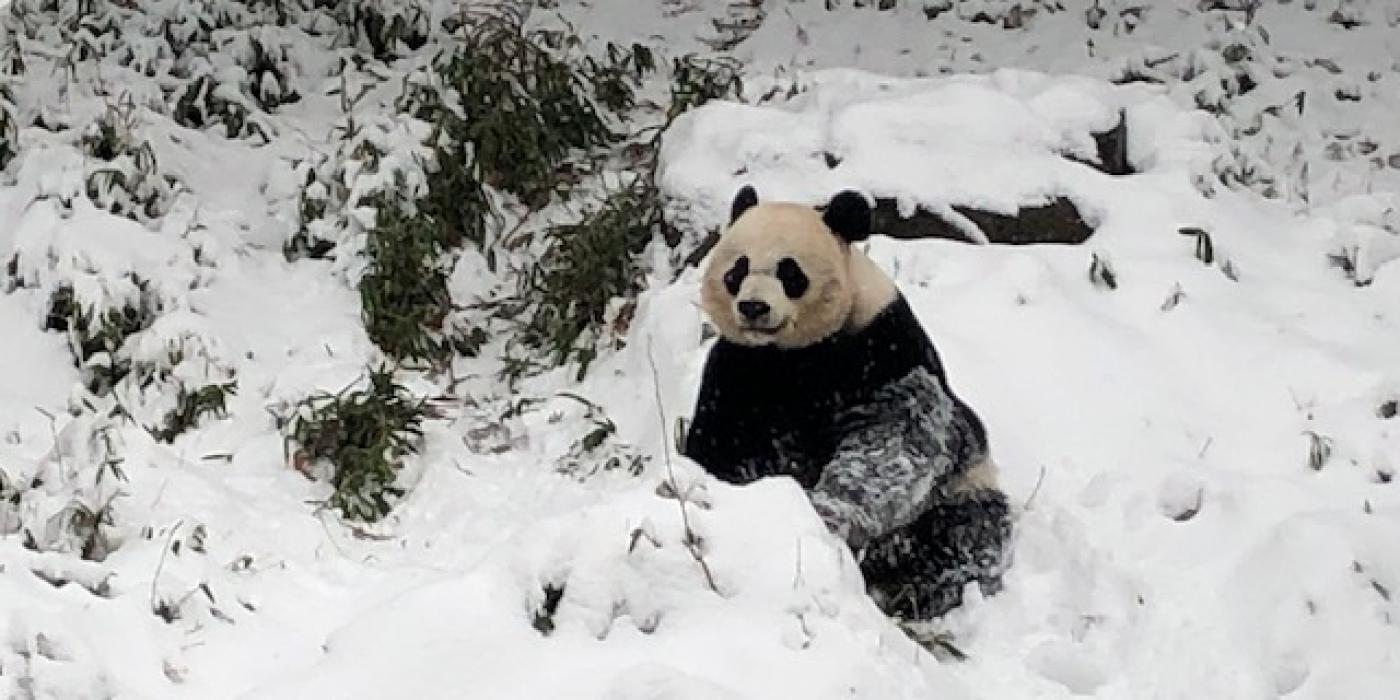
(1173,538)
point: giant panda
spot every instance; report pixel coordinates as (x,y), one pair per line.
(822,373)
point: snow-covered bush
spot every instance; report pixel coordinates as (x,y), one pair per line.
(563,298)
(385,29)
(368,199)
(66,502)
(96,336)
(264,54)
(598,449)
(379,161)
(1117,16)
(9,127)
(363,434)
(1010,14)
(201,103)
(125,178)
(509,110)
(89,30)
(565,303)
(696,80)
(178,376)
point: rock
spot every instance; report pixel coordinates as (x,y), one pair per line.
(1112,148)
(1055,222)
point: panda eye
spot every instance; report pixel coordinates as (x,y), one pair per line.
(793,279)
(735,277)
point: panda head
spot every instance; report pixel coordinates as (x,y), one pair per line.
(786,274)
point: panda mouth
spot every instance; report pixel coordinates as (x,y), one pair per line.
(766,330)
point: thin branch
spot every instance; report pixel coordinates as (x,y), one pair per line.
(691,541)
(155,578)
(1206,446)
(1038,481)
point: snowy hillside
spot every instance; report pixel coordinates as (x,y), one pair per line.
(1194,411)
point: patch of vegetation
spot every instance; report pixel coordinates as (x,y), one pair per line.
(270,72)
(386,29)
(696,80)
(192,406)
(127,180)
(95,338)
(90,526)
(597,451)
(509,111)
(201,105)
(88,488)
(313,204)
(403,293)
(512,112)
(522,111)
(1345,259)
(364,434)
(9,127)
(380,162)
(1101,273)
(1319,449)
(88,30)
(563,297)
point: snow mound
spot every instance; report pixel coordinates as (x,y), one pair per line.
(607,601)
(995,142)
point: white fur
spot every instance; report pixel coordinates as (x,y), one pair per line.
(846,289)
(873,290)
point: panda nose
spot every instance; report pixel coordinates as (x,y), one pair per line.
(754,310)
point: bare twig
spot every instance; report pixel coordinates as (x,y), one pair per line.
(1038,481)
(691,541)
(156,604)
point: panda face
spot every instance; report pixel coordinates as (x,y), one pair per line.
(778,276)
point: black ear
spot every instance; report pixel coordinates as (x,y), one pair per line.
(746,198)
(848,215)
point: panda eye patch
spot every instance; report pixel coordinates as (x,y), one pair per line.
(794,280)
(735,277)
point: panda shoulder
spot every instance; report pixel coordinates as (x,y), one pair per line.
(872,289)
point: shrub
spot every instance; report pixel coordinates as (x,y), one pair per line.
(562,298)
(364,434)
(9,128)
(192,406)
(95,337)
(127,180)
(510,113)
(388,29)
(564,295)
(403,293)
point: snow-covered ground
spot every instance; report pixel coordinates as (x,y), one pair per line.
(1202,455)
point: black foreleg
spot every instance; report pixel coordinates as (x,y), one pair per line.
(919,571)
